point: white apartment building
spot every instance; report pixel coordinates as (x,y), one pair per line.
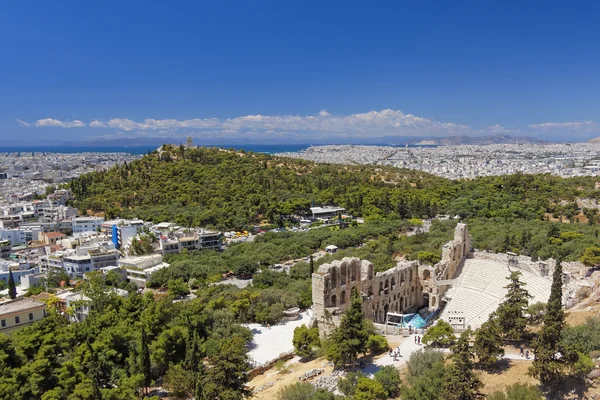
(84,259)
(86,224)
(21,235)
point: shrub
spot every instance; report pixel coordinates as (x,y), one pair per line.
(440,335)
(306,341)
(518,391)
(348,384)
(389,378)
(377,344)
(422,361)
(369,389)
(297,391)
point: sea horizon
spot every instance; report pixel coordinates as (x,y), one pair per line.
(144,149)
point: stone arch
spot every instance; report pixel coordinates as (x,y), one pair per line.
(334,301)
(353,274)
(334,277)
(426,275)
(343,274)
(343,297)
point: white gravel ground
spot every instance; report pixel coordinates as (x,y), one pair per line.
(270,342)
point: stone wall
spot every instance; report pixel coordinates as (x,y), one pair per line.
(395,290)
(403,289)
(453,254)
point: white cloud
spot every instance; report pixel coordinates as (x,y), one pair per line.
(97,124)
(58,123)
(585,125)
(23,123)
(373,123)
(498,130)
(369,124)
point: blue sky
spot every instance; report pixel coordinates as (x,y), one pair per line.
(277,71)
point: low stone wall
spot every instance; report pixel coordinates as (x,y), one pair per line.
(261,369)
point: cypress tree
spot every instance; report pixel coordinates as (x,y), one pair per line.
(549,361)
(225,377)
(460,382)
(350,338)
(145,359)
(488,342)
(511,313)
(312,266)
(12,289)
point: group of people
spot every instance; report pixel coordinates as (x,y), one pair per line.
(524,352)
(395,354)
(417,339)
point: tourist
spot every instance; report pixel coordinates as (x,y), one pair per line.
(521,350)
(418,339)
(527,354)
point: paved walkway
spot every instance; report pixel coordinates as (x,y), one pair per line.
(407,347)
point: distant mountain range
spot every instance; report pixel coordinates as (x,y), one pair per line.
(383,140)
(478,140)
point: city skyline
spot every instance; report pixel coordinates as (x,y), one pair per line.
(276,72)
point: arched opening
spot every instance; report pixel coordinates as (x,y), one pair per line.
(433,301)
(352,273)
(343,274)
(401,304)
(387,283)
(370,291)
(426,299)
(385,310)
(333,277)
(401,278)
(333,301)
(393,282)
(380,287)
(410,276)
(426,275)
(406,302)
(343,298)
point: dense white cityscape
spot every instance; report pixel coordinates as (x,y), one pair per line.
(25,174)
(468,161)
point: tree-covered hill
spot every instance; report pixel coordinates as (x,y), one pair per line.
(227,189)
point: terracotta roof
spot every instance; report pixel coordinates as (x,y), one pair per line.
(54,234)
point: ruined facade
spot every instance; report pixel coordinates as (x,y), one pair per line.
(405,288)
(453,253)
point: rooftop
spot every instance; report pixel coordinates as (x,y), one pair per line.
(326,209)
(52,235)
(18,306)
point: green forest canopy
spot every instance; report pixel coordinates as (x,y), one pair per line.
(227,189)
